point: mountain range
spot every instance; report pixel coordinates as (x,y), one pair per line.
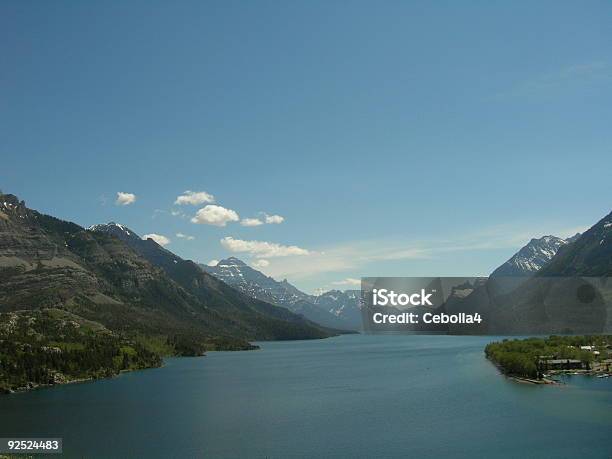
(342,309)
(80,303)
(334,309)
(259,315)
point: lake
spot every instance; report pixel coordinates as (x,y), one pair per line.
(350,396)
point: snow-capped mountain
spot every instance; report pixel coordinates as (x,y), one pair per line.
(532,257)
(113,228)
(238,274)
(254,283)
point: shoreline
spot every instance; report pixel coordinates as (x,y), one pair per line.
(548,380)
(538,382)
(34,386)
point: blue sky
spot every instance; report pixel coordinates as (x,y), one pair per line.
(394,138)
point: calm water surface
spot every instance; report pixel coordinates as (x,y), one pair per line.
(351,396)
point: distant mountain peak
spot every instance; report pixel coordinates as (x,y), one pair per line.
(545,239)
(532,257)
(231,261)
(112,227)
(256,284)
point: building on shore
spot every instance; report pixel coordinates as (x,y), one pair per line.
(561,364)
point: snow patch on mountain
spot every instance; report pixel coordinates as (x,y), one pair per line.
(109,227)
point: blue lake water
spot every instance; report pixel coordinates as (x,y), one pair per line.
(351,396)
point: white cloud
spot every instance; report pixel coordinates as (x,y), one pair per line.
(261,249)
(213,263)
(194,198)
(251,222)
(260,263)
(215,215)
(161,240)
(125,199)
(274,219)
(348,281)
(269,219)
(185,236)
